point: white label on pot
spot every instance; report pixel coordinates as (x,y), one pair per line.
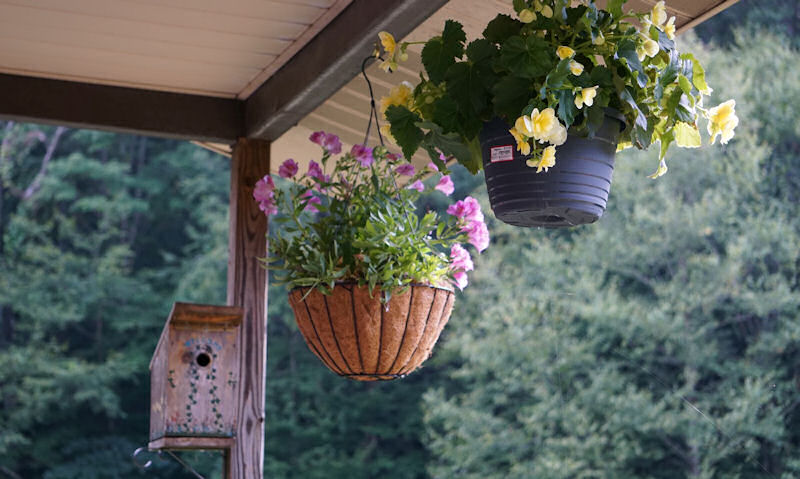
(502,153)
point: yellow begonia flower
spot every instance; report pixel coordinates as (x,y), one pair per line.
(661,171)
(586,97)
(659,14)
(722,120)
(669,28)
(386,130)
(399,95)
(522,142)
(548,159)
(564,52)
(575,67)
(390,47)
(543,123)
(524,126)
(650,47)
(388,42)
(527,16)
(641,53)
(557,136)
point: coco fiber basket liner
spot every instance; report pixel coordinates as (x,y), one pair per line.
(359,338)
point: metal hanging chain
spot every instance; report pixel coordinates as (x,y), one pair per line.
(373,112)
(160,455)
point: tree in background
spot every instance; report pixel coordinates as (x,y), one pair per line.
(98,230)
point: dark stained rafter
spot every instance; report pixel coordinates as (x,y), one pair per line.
(120,109)
(328,62)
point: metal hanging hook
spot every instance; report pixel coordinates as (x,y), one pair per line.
(373,112)
(160,455)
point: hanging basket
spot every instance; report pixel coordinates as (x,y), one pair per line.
(359,338)
(573,192)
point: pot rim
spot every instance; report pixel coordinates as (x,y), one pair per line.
(343,283)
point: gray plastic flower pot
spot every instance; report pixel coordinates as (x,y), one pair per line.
(573,192)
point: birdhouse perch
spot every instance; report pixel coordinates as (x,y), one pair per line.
(194,378)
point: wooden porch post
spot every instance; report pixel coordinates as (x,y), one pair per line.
(247,287)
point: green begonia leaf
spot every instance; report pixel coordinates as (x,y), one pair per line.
(440,53)
(627,50)
(527,57)
(615,7)
(501,28)
(469,83)
(481,50)
(679,107)
(666,139)
(404,129)
(555,79)
(686,135)
(594,118)
(511,94)
(446,114)
(451,144)
(698,72)
(566,107)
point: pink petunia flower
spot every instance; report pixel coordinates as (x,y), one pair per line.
(315,171)
(333,144)
(362,154)
(406,169)
(312,200)
(417,185)
(288,168)
(433,166)
(264,193)
(478,234)
(317,137)
(446,186)
(460,259)
(329,141)
(468,209)
(265,189)
(461,280)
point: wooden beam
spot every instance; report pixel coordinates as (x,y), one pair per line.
(247,288)
(120,109)
(706,15)
(328,62)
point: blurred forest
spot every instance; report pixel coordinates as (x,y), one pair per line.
(661,342)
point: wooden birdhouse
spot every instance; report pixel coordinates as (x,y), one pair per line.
(194,378)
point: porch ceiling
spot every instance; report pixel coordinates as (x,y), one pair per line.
(213,71)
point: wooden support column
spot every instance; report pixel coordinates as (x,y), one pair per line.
(247,288)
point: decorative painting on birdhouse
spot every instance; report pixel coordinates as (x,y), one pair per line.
(194,378)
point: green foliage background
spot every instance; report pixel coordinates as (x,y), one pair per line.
(662,342)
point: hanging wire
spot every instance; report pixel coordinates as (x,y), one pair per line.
(373,112)
(160,455)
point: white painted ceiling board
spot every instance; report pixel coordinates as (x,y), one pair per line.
(141,47)
(208,47)
(171,16)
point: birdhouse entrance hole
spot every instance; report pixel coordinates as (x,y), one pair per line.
(203,360)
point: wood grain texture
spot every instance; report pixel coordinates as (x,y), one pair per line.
(357,337)
(119,109)
(247,287)
(177,443)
